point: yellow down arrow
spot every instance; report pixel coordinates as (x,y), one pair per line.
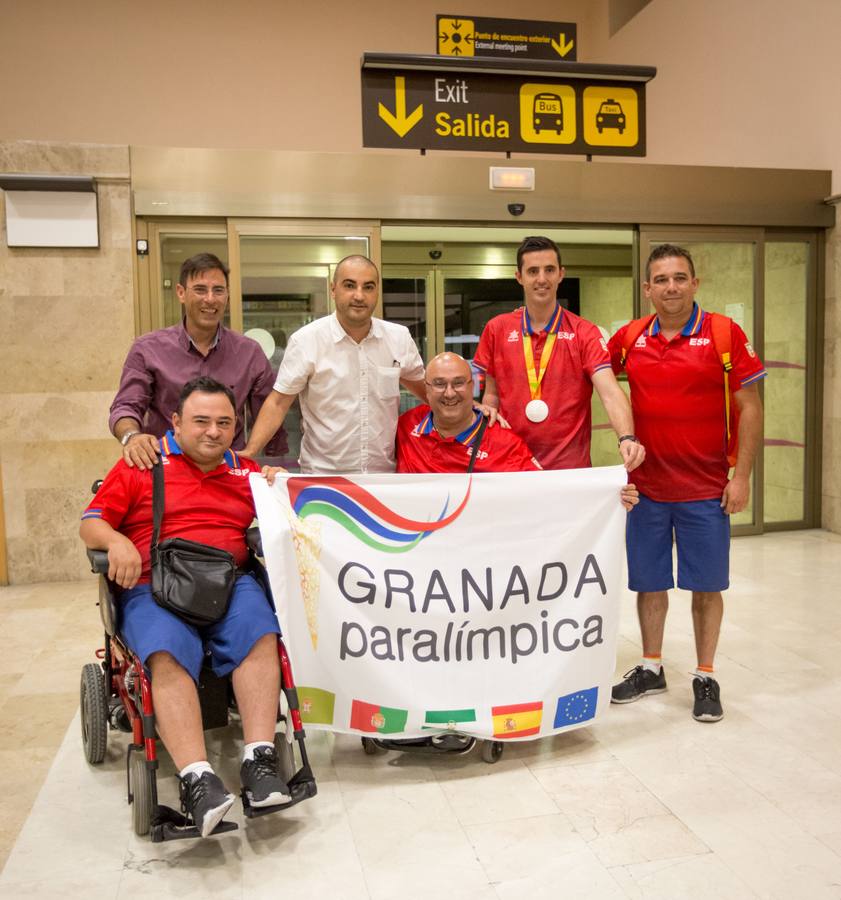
(564,46)
(398,121)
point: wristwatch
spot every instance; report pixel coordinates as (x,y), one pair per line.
(127,437)
(628,437)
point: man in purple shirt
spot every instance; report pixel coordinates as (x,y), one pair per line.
(161,362)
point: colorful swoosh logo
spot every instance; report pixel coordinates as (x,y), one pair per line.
(362,514)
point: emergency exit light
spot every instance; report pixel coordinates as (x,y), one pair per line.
(507,178)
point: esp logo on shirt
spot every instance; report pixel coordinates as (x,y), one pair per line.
(242,473)
(698,342)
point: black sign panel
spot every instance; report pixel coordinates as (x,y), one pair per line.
(535,112)
(506,38)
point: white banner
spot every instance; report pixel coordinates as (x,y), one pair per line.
(419,603)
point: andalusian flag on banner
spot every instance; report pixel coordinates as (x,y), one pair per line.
(373,718)
(450,719)
(519,720)
(316,705)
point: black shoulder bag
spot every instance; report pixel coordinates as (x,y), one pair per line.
(191,580)
(476,443)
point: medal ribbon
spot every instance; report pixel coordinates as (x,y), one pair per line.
(535,375)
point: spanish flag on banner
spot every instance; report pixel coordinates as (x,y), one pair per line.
(519,720)
(374,718)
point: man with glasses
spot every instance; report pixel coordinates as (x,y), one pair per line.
(161,362)
(443,436)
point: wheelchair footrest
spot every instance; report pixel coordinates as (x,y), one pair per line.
(169,825)
(302,786)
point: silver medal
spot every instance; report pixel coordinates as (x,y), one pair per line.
(536,410)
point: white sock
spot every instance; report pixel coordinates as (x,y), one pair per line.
(699,674)
(196,768)
(652,663)
(248,749)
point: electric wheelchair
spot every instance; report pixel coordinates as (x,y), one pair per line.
(116,695)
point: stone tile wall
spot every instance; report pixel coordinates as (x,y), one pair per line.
(831,499)
(66,321)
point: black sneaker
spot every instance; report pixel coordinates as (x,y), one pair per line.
(261,781)
(636,682)
(707,700)
(206,799)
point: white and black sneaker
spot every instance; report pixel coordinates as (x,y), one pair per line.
(636,683)
(261,781)
(205,799)
(707,700)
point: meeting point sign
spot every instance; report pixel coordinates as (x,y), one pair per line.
(437,103)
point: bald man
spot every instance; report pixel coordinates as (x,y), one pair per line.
(346,369)
(442,436)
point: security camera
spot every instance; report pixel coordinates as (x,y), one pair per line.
(435,254)
(516,209)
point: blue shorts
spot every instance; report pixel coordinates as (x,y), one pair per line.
(701,531)
(148,628)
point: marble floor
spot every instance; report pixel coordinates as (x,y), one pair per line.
(646,803)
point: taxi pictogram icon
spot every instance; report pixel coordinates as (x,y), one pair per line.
(455,37)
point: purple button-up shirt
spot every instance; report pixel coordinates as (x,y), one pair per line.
(161,362)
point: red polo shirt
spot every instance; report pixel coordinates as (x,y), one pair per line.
(561,441)
(677,395)
(213,508)
(421,449)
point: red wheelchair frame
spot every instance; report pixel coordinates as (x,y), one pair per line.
(116,694)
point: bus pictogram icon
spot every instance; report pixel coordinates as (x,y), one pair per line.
(548,113)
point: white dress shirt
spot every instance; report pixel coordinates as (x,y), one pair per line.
(349,393)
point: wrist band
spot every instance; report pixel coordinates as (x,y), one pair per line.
(628,437)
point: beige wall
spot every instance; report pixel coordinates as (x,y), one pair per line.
(259,73)
(67,318)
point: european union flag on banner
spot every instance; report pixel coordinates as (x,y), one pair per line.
(576,707)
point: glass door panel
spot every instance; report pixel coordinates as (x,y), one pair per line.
(787,278)
(608,302)
(407,295)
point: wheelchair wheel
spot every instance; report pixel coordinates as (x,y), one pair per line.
(371,747)
(492,751)
(140,781)
(93,702)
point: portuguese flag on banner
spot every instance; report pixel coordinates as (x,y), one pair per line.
(316,705)
(377,719)
(448,718)
(519,720)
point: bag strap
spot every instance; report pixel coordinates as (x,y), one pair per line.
(476,443)
(720,327)
(158,502)
(634,330)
